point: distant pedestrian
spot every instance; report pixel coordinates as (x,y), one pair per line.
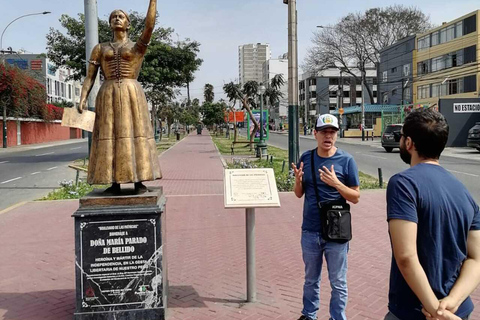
(434,227)
(328,177)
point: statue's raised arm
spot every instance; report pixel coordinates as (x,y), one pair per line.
(149,23)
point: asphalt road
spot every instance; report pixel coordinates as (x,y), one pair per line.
(371,156)
(34,172)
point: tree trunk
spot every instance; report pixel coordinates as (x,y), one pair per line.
(370,92)
(256,126)
(188,93)
(234,126)
(161,129)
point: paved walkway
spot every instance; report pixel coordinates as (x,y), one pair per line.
(206,251)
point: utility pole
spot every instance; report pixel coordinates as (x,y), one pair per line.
(307,104)
(293,148)
(363,105)
(91,40)
(341,102)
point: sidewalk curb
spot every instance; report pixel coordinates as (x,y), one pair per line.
(224,163)
(171,147)
(14,206)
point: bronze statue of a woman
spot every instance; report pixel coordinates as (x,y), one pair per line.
(123,147)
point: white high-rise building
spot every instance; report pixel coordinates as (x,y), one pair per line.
(271,68)
(250,61)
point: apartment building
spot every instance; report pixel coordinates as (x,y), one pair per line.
(39,67)
(334,88)
(445,62)
(395,72)
(271,68)
(250,61)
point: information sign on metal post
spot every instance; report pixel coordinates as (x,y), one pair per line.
(250,189)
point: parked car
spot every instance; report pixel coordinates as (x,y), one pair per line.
(391,137)
(473,139)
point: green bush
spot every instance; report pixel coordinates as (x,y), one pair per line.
(70,190)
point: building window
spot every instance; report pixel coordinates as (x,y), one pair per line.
(69,91)
(423,42)
(49,86)
(423,92)
(470,83)
(470,24)
(435,38)
(333,81)
(443,35)
(435,90)
(332,94)
(459,29)
(470,54)
(394,69)
(438,63)
(423,67)
(407,94)
(450,33)
(406,70)
(384,76)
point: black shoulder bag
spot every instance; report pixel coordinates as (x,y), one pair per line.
(334,215)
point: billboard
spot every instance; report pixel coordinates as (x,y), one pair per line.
(250,126)
(239,117)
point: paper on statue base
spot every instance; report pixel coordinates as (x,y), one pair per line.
(250,188)
(73,118)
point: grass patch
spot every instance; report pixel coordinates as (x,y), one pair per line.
(284,177)
(224,145)
(70,190)
(369,182)
(167,142)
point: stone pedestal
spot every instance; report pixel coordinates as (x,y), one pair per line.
(120,265)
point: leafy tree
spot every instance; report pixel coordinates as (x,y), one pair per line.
(273,92)
(354,43)
(22,95)
(213,113)
(247,97)
(208,93)
(196,102)
(190,49)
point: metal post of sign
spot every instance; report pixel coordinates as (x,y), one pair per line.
(251,275)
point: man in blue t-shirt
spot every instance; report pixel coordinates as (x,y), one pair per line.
(336,178)
(434,228)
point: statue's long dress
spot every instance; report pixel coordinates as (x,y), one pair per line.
(123,147)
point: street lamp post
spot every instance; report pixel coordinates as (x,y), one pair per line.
(3,62)
(261,146)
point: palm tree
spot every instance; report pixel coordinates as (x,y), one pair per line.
(246,96)
(273,93)
(208,93)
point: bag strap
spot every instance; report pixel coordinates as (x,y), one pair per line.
(314,177)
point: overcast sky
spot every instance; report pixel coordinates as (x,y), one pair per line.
(219,25)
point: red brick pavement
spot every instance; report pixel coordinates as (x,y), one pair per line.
(206,251)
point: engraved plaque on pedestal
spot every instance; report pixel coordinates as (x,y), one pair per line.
(120,262)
